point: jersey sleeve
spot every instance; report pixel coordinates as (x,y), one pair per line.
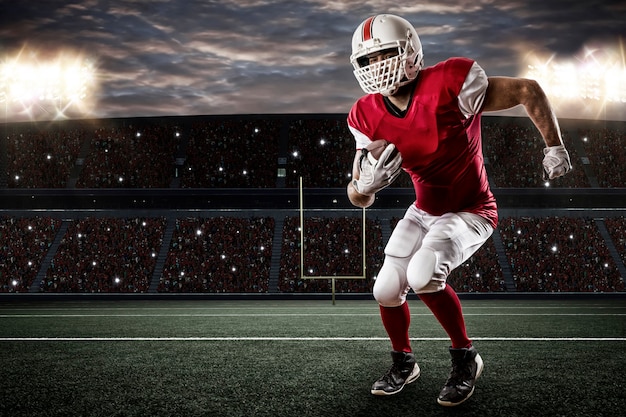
(360,139)
(472,93)
(357,126)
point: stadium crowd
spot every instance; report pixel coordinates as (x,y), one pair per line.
(607,154)
(130,157)
(24,242)
(559,254)
(229,254)
(233,153)
(481,273)
(219,254)
(616,227)
(315,143)
(41,159)
(232,254)
(106,255)
(513,157)
(333,247)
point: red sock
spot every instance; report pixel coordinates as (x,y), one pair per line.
(396,321)
(446,307)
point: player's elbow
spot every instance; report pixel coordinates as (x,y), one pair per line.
(531,92)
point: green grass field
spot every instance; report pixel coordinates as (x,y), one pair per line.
(302,358)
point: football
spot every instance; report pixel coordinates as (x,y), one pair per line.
(376,148)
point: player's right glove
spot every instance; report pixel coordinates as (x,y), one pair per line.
(556,162)
(376,175)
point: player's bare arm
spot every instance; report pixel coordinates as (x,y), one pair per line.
(505,92)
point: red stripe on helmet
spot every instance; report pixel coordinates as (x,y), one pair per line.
(367,28)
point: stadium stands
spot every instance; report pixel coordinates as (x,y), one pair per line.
(41,158)
(513,154)
(232,154)
(219,254)
(606,148)
(105,255)
(130,157)
(125,251)
(617,230)
(481,273)
(24,244)
(229,254)
(559,255)
(243,153)
(333,247)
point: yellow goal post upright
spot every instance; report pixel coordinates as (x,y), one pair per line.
(331,277)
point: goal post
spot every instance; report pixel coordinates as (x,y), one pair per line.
(331,277)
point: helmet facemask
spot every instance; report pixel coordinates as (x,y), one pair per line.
(385,76)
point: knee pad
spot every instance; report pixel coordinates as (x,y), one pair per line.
(390,287)
(422,270)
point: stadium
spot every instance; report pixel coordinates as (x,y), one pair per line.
(126,233)
(213,265)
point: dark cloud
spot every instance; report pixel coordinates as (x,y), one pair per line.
(174,57)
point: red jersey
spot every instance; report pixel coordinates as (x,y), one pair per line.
(441,148)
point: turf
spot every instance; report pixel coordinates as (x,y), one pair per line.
(301,358)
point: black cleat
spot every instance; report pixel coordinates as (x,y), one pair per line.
(403,371)
(467,365)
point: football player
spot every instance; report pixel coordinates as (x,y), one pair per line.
(431,115)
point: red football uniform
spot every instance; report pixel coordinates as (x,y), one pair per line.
(441,148)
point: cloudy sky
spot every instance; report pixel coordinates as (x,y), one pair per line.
(183,57)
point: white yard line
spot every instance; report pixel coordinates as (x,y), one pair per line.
(297,339)
(376,314)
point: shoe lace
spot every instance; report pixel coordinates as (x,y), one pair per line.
(397,370)
(394,370)
(461,371)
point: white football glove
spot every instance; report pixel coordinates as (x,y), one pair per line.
(556,162)
(374,176)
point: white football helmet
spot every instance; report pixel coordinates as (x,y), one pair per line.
(379,33)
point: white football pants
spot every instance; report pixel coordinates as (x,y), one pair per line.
(423,249)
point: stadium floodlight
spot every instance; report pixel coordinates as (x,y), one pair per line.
(599,74)
(568,81)
(593,81)
(42,86)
